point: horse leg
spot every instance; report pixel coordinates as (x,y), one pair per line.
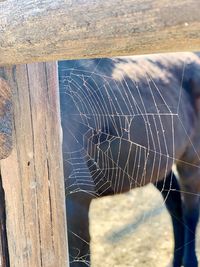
(174,205)
(190,188)
(78,229)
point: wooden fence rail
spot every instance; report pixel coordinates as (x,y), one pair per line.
(32,176)
(43,30)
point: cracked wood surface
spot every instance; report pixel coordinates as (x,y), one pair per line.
(43,30)
(32,175)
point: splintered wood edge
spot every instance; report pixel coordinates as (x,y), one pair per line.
(5,119)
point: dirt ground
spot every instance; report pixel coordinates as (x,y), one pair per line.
(132,230)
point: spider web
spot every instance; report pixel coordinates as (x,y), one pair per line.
(126,121)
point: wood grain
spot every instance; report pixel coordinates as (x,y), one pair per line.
(33,174)
(5,119)
(42,30)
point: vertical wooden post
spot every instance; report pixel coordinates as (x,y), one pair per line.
(5,150)
(32,175)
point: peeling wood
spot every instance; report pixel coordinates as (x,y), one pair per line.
(95,28)
(5,119)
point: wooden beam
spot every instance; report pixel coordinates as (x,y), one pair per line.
(43,30)
(32,175)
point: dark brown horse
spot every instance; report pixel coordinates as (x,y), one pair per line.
(126,121)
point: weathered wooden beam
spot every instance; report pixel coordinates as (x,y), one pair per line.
(32,176)
(43,30)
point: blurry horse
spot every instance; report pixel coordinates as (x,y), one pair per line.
(126,121)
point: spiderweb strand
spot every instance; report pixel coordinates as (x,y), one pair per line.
(122,120)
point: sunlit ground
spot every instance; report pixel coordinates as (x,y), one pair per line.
(132,230)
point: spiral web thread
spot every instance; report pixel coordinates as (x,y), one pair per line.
(106,117)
